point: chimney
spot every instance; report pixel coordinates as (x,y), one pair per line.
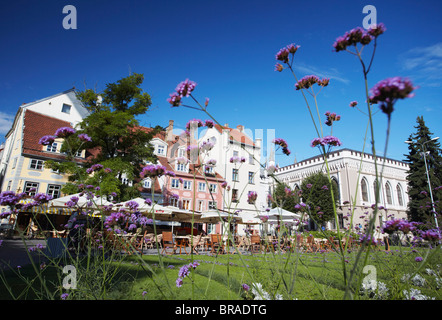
(169,131)
(240,128)
(226,125)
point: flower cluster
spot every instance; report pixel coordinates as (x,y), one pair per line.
(398,225)
(283,144)
(308,81)
(94,167)
(328,140)
(184,89)
(358,35)
(283,54)
(206,146)
(64,132)
(184,272)
(331,117)
(47,140)
(153,170)
(388,91)
(353,104)
(251,198)
(84,137)
(236,159)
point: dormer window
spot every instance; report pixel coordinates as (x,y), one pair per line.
(52,147)
(66,108)
(161,149)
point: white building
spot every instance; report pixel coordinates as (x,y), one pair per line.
(244,176)
(355,176)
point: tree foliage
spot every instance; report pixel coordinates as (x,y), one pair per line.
(117,140)
(419,205)
(316,193)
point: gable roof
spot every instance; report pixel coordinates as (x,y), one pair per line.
(37,125)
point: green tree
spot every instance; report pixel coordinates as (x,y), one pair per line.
(316,193)
(118,142)
(419,205)
(284,197)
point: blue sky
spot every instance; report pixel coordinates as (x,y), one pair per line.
(228,48)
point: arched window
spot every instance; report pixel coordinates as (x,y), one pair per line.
(388,193)
(400,199)
(375,190)
(336,185)
(364,190)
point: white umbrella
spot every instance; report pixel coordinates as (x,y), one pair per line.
(142,205)
(214,216)
(280,213)
(83,201)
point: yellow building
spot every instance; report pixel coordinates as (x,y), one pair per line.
(22,165)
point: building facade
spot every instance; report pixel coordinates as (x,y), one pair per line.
(354,173)
(23,158)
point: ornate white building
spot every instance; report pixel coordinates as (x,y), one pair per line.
(355,175)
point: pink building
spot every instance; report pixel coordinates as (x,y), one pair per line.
(192,186)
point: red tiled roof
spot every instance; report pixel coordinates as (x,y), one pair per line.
(37,125)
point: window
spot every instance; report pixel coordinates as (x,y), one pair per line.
(234,195)
(160,149)
(174,202)
(201,187)
(251,160)
(186,204)
(147,183)
(251,175)
(175,183)
(181,153)
(235,153)
(209,170)
(54,190)
(181,167)
(66,108)
(375,190)
(8,188)
(212,188)
(52,147)
(187,185)
(36,164)
(235,174)
(31,188)
(200,205)
(399,195)
(212,205)
(388,193)
(364,190)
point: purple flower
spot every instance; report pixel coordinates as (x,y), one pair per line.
(283,54)
(179,282)
(64,296)
(376,30)
(148,202)
(308,81)
(153,170)
(185,88)
(245,287)
(353,104)
(352,38)
(418,259)
(175,99)
(46,140)
(251,197)
(388,91)
(132,205)
(64,132)
(84,137)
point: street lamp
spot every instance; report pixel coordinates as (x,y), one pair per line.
(428,177)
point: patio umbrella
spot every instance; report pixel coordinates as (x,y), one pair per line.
(280,213)
(214,216)
(83,201)
(142,205)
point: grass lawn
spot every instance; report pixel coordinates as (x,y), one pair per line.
(303,276)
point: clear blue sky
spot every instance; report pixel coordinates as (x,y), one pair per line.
(228,48)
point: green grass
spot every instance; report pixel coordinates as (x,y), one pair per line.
(303,276)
